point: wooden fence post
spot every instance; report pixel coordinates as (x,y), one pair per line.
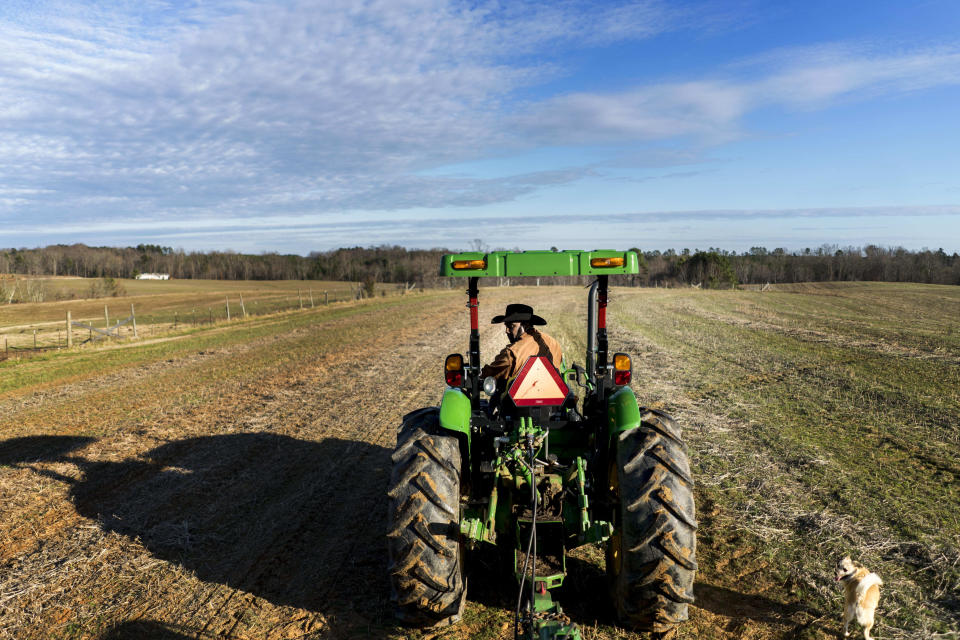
(300,298)
(227,298)
(311,298)
(242,307)
(69,332)
(133,314)
(325,299)
(106,318)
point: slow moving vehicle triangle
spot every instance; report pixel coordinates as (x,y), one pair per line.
(538,384)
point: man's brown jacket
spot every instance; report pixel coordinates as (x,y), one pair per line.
(508,362)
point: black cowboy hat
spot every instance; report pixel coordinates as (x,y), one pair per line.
(519,313)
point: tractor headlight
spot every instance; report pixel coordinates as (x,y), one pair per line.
(489,385)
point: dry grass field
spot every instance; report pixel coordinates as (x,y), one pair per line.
(227,480)
(160,305)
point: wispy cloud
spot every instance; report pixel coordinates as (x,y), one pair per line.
(526,27)
(655,229)
(328,106)
(713,110)
(709,110)
(201,113)
(813,76)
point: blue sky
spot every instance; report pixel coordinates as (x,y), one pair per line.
(300,126)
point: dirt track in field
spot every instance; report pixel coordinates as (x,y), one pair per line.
(257,512)
(254,516)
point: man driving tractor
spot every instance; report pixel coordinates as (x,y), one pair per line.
(526,470)
(525,341)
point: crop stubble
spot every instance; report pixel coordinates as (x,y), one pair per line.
(808,446)
(233,491)
(236,490)
(258,497)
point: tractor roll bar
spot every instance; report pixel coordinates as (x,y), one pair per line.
(473,292)
(592,332)
(597,330)
(602,325)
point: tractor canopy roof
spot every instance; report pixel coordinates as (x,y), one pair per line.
(539,263)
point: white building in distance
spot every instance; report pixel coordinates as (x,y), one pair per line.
(153,276)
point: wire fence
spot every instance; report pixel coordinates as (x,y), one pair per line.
(30,340)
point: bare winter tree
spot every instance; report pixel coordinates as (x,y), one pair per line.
(759,265)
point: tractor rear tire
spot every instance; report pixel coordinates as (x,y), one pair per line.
(426,556)
(651,558)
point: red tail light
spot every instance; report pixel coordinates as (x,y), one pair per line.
(622,369)
(453,370)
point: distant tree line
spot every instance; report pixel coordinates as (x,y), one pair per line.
(828,263)
(713,267)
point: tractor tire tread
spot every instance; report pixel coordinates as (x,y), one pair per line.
(675,508)
(670,462)
(426,570)
(652,584)
(662,424)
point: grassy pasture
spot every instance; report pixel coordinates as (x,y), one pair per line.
(160,304)
(822,420)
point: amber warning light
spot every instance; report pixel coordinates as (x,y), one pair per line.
(599,263)
(453,370)
(622,369)
(461,265)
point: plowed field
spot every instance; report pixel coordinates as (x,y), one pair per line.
(230,482)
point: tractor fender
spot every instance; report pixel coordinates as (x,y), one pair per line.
(623,412)
(455,411)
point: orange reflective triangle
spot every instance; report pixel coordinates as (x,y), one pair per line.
(538,384)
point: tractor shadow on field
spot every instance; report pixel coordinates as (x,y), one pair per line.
(738,606)
(296,522)
(30,449)
(144,630)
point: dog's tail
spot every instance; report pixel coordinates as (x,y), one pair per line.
(870,580)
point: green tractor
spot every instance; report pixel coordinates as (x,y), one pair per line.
(537,471)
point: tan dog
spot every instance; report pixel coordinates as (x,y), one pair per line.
(861,595)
